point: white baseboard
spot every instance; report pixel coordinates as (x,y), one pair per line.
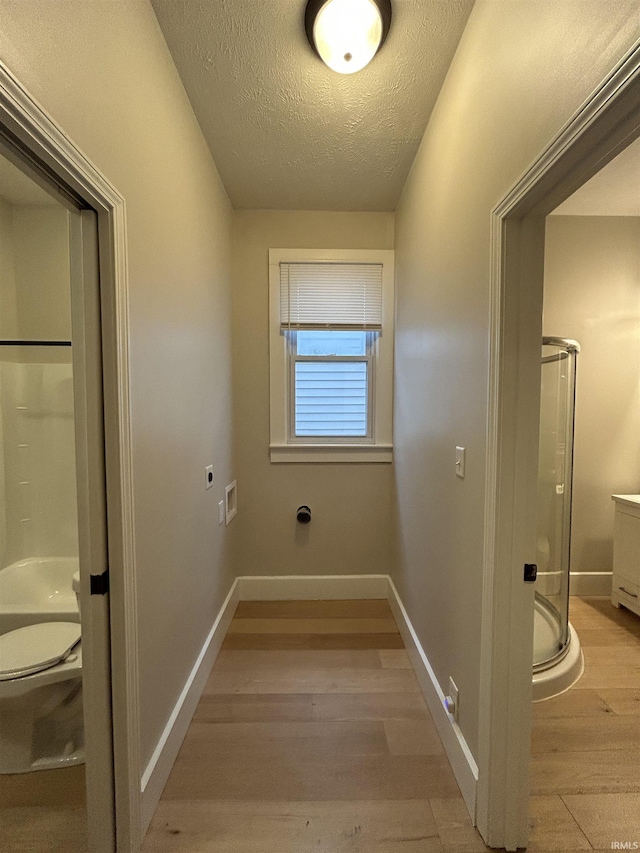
(590,583)
(548,582)
(302,587)
(460,757)
(159,767)
(309,587)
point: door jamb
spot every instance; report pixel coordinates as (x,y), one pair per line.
(29,122)
(602,127)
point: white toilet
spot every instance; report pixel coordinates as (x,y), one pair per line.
(41,720)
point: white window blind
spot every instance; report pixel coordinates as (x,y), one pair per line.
(331,294)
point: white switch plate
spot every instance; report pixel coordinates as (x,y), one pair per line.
(221,512)
(208,476)
(460,454)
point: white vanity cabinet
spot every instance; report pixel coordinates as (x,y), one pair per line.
(626,553)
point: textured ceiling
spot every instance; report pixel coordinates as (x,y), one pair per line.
(284,130)
(613,191)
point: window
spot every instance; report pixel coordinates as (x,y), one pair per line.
(331,354)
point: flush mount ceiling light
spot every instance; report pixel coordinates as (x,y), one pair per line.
(347,34)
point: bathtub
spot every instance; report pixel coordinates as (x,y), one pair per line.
(37,589)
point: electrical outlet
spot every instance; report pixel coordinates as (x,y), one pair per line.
(221,513)
(208,476)
(452,699)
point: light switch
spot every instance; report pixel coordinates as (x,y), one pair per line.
(221,513)
(460,453)
(208,476)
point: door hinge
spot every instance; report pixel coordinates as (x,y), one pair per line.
(530,572)
(100,583)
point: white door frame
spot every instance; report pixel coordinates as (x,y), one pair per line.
(603,126)
(43,138)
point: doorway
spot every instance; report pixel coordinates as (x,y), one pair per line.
(607,124)
(100,369)
(584,760)
(56,764)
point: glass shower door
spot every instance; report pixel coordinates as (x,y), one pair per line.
(555,471)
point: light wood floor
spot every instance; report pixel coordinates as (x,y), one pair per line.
(585,769)
(43,812)
(312,735)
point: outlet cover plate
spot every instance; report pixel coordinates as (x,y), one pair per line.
(453,693)
(208,476)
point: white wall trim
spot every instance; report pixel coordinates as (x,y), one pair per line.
(599,130)
(334,453)
(46,141)
(310,587)
(591,583)
(164,755)
(460,757)
(280,403)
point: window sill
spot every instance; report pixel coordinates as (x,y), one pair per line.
(331,453)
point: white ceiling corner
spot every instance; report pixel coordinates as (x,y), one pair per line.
(285,131)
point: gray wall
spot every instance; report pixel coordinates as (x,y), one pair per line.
(103,71)
(519,73)
(350,502)
(592,294)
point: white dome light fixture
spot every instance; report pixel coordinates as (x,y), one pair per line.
(347,34)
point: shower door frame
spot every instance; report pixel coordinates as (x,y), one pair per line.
(42,140)
(607,122)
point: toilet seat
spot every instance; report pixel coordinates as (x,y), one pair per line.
(35,648)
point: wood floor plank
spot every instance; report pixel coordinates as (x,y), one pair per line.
(552,826)
(595,612)
(343,609)
(286,680)
(369,706)
(607,818)
(413,737)
(254,708)
(217,742)
(43,829)
(598,771)
(293,827)
(612,636)
(622,701)
(602,676)
(612,656)
(456,831)
(298,659)
(574,703)
(585,734)
(313,626)
(357,777)
(61,787)
(313,641)
(395,659)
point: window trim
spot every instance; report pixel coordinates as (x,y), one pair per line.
(379,448)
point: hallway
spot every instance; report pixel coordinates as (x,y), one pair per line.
(312,735)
